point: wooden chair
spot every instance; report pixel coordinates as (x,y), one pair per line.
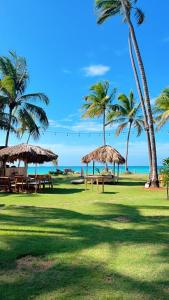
(5,184)
(45,179)
(21,183)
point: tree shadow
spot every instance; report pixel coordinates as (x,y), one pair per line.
(47,231)
(61,191)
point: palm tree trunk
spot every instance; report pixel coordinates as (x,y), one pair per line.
(154,175)
(29,136)
(104,134)
(104,128)
(146,127)
(127,146)
(9,127)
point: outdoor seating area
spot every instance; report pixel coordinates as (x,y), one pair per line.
(17,179)
(31,183)
(106,155)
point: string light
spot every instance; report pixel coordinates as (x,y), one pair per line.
(89,134)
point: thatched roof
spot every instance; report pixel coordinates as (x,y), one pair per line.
(27,153)
(104,154)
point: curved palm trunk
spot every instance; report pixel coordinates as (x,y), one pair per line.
(104,128)
(127,146)
(29,136)
(104,134)
(146,127)
(9,127)
(154,175)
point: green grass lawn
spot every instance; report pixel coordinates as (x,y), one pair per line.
(76,244)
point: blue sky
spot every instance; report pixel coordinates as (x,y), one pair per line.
(67,51)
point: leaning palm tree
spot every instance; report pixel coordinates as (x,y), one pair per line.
(128,115)
(98,103)
(12,91)
(109,8)
(162,109)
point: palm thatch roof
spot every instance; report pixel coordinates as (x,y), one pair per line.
(104,154)
(27,153)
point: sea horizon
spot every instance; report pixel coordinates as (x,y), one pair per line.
(47,169)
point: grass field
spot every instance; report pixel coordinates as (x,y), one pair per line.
(76,244)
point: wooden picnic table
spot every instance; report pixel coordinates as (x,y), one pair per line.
(95,178)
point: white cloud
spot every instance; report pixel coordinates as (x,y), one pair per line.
(96,70)
(87,126)
(69,155)
(80,126)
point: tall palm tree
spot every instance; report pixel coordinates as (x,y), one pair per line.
(146,127)
(98,103)
(162,108)
(111,8)
(12,91)
(128,115)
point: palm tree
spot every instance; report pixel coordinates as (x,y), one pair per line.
(98,103)
(128,116)
(146,127)
(12,91)
(111,8)
(162,108)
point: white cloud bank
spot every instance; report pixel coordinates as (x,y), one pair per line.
(80,126)
(96,70)
(71,154)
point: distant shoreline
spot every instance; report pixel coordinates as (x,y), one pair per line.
(46,169)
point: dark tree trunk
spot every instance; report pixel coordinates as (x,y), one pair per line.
(154,175)
(104,128)
(104,135)
(9,127)
(146,126)
(29,136)
(127,146)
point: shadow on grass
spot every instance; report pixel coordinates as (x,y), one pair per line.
(47,231)
(131,183)
(82,281)
(61,191)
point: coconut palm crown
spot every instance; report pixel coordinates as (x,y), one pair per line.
(162,108)
(109,8)
(13,97)
(98,102)
(127,116)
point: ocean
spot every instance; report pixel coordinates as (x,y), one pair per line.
(47,169)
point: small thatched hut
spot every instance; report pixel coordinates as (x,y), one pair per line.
(104,154)
(27,153)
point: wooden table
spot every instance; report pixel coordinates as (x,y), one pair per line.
(95,178)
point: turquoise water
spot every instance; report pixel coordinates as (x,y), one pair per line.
(46,169)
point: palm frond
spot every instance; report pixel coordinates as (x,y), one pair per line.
(38,113)
(34,97)
(139,15)
(120,128)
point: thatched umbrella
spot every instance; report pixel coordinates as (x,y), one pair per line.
(27,153)
(105,154)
